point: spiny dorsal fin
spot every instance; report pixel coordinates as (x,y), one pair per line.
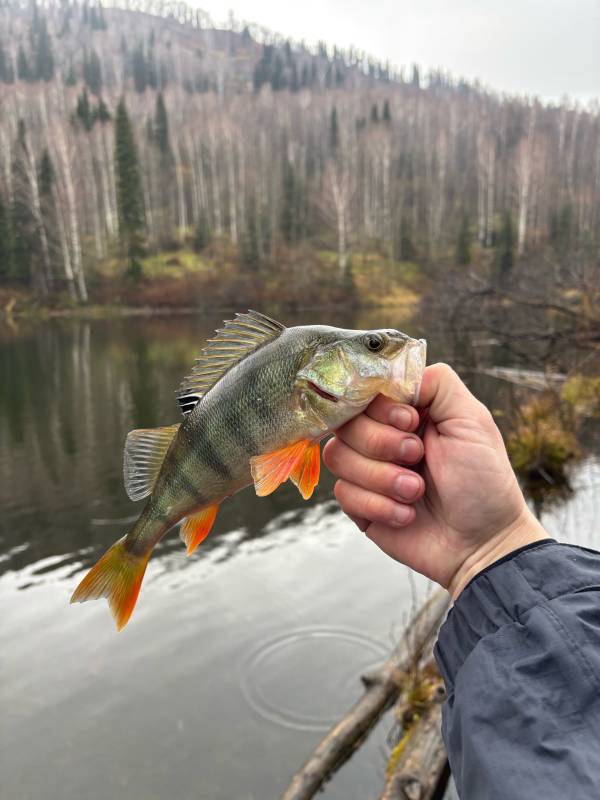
(235,341)
(145,450)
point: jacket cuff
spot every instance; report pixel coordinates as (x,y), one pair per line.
(505,591)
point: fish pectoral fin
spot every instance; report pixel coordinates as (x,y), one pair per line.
(272,469)
(196,528)
(306,473)
(145,451)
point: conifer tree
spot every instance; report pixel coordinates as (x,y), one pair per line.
(44,59)
(84,111)
(129,192)
(333,130)
(506,249)
(161,125)
(374,113)
(71,78)
(46,174)
(101,112)
(23,70)
(5,241)
(387,117)
(463,242)
(92,72)
(140,69)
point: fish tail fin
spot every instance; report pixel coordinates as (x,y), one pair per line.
(117,576)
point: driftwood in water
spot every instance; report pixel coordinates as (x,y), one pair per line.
(419,766)
(382,688)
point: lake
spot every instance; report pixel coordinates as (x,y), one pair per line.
(237,659)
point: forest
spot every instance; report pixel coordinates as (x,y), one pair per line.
(149,158)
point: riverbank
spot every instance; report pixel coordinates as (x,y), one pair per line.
(182,281)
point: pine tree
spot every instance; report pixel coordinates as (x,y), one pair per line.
(463,242)
(23,70)
(374,113)
(202,234)
(161,125)
(92,72)
(333,130)
(387,117)
(140,69)
(84,111)
(46,174)
(505,253)
(71,78)
(129,192)
(44,59)
(5,242)
(101,112)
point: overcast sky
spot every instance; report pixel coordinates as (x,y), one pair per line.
(547,48)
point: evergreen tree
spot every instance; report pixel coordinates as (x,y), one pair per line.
(201,234)
(374,113)
(140,69)
(463,242)
(92,72)
(5,242)
(387,117)
(161,125)
(23,70)
(129,192)
(101,112)
(44,59)
(416,78)
(84,111)
(333,130)
(6,70)
(278,81)
(46,174)
(505,253)
(294,80)
(71,78)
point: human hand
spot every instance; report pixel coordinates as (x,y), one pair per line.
(463,512)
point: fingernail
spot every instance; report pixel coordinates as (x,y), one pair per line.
(410,450)
(407,486)
(401,515)
(401,418)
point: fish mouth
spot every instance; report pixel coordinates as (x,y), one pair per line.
(322,393)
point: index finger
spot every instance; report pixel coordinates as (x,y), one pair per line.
(389,412)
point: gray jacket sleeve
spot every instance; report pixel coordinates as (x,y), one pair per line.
(520,656)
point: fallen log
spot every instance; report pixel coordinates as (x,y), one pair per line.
(381,690)
(418,766)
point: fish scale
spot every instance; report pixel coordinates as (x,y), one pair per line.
(256,405)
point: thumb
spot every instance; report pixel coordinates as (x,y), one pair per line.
(446,396)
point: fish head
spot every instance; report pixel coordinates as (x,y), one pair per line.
(362,364)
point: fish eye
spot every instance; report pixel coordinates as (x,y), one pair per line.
(374,342)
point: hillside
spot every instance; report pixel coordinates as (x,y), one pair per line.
(262,168)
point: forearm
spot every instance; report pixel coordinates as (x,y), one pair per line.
(520,655)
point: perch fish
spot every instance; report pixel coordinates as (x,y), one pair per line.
(257,404)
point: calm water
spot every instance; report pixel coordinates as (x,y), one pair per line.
(236,659)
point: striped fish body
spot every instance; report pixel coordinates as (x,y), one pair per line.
(259,422)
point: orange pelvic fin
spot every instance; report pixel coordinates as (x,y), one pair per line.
(306,473)
(117,576)
(196,528)
(272,469)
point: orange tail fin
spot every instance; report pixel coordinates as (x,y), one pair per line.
(117,576)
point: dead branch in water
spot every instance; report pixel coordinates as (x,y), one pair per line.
(382,688)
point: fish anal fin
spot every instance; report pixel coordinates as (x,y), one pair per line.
(145,451)
(196,528)
(117,576)
(306,473)
(272,469)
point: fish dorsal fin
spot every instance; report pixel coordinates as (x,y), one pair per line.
(145,450)
(235,341)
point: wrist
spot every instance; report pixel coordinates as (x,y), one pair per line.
(526,529)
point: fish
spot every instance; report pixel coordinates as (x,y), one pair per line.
(255,407)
